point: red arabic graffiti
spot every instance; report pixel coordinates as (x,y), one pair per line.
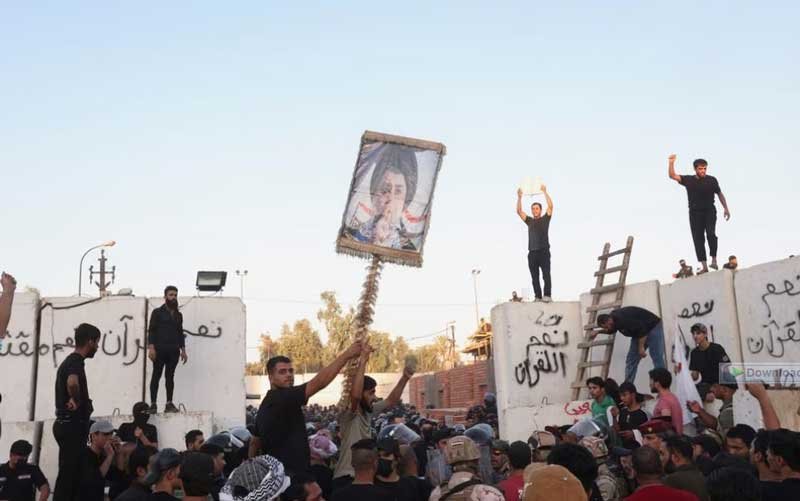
(583,408)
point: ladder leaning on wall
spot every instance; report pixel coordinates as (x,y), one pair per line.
(585,361)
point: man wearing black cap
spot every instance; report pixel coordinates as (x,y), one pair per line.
(355,421)
(139,431)
(197,476)
(96,461)
(164,475)
(73,410)
(704,360)
(217,454)
(18,479)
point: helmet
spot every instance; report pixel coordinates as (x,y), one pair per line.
(596,446)
(589,428)
(400,432)
(242,433)
(226,441)
(459,429)
(489,399)
(460,449)
(481,434)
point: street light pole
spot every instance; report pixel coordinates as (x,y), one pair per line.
(475,274)
(241,274)
(110,243)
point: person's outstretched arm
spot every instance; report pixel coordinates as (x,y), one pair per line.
(549,201)
(357,388)
(708,420)
(672,174)
(771,420)
(6,301)
(325,376)
(520,212)
(394,397)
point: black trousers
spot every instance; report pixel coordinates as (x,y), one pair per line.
(71,437)
(165,359)
(540,260)
(704,226)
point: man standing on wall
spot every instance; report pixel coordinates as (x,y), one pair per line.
(165,344)
(538,243)
(702,214)
(73,410)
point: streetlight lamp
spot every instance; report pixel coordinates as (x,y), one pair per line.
(241,275)
(475,273)
(110,243)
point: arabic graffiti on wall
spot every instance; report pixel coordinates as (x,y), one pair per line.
(543,352)
(781,325)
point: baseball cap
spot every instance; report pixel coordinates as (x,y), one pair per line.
(258,479)
(554,482)
(655,426)
(197,473)
(500,445)
(161,462)
(101,426)
(21,448)
(390,446)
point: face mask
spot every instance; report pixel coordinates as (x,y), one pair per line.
(141,417)
(384,467)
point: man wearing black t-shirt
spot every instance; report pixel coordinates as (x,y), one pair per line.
(280,424)
(139,431)
(783,456)
(538,243)
(701,189)
(705,359)
(165,345)
(364,459)
(95,461)
(18,479)
(630,416)
(646,331)
(73,410)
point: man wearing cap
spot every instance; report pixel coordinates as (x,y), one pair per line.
(280,424)
(499,460)
(139,431)
(164,475)
(20,480)
(355,421)
(73,410)
(96,461)
(217,454)
(464,455)
(646,331)
(704,360)
(652,432)
(197,476)
(519,457)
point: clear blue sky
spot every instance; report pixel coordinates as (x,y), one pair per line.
(208,135)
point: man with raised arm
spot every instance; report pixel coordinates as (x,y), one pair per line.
(538,243)
(355,421)
(280,424)
(9,285)
(700,189)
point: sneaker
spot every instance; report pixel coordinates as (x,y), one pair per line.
(170,407)
(537,300)
(713,266)
(547,299)
(153,409)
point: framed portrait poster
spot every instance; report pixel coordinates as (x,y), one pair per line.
(388,209)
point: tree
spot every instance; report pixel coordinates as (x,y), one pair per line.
(400,351)
(338,324)
(302,344)
(254,369)
(382,357)
(266,349)
(436,356)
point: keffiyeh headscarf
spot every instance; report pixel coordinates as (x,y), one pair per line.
(321,446)
(258,479)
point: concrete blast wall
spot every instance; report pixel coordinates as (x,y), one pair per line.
(18,359)
(213,378)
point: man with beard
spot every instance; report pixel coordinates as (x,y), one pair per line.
(139,431)
(355,420)
(667,404)
(73,410)
(681,472)
(165,344)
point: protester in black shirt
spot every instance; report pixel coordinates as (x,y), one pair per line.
(73,409)
(95,462)
(387,475)
(412,487)
(137,471)
(280,423)
(705,359)
(165,344)
(364,458)
(538,243)
(630,416)
(20,480)
(783,456)
(164,475)
(700,189)
(197,476)
(645,330)
(139,431)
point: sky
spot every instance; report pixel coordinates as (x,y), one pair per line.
(223,136)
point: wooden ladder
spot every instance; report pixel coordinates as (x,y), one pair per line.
(600,288)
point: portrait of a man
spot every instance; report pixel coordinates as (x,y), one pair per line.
(388,208)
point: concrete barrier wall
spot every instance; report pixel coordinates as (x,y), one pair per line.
(708,299)
(213,378)
(535,357)
(644,295)
(115,374)
(259,385)
(18,357)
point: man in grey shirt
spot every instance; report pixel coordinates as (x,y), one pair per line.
(354,421)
